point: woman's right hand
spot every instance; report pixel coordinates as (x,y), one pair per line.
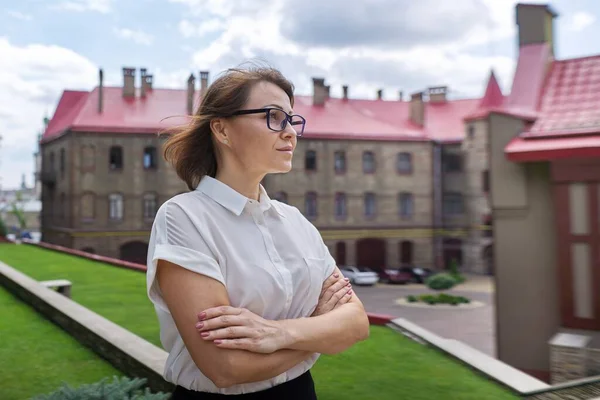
(335,292)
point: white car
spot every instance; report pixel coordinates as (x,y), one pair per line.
(360,275)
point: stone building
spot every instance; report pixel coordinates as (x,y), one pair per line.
(383,181)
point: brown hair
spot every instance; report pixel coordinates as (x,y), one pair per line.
(190,148)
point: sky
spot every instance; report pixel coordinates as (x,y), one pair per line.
(47,46)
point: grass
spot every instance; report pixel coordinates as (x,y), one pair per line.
(387,366)
(37,356)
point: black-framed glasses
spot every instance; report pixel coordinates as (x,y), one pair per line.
(277,119)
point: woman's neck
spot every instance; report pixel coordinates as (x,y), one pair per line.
(242,183)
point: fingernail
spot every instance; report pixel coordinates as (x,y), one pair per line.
(348,285)
(202,315)
(217,341)
(336,275)
(346,279)
(204,334)
(350,291)
(199,325)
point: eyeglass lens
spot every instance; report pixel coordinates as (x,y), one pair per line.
(277,121)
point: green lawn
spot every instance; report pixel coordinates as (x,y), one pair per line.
(387,366)
(36,356)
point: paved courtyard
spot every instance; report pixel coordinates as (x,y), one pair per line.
(474,327)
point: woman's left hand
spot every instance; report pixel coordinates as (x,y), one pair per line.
(238,328)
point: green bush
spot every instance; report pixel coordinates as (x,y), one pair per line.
(441,281)
(119,389)
(442,298)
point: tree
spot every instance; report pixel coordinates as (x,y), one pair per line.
(18,210)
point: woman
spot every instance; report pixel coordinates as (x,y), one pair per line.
(246,292)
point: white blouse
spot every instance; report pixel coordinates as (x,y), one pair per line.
(270,258)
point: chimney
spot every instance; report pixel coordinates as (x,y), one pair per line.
(417,109)
(535,24)
(146,82)
(380,94)
(203,83)
(143,78)
(128,82)
(437,94)
(345,89)
(319,91)
(400,95)
(100,91)
(191,89)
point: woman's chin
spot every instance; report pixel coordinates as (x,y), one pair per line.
(281,168)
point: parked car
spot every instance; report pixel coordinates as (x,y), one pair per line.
(360,275)
(395,275)
(418,274)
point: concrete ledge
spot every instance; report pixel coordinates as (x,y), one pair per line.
(494,369)
(62,286)
(131,354)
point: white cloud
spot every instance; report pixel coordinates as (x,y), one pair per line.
(19,15)
(580,20)
(189,29)
(248,33)
(101,6)
(137,36)
(30,86)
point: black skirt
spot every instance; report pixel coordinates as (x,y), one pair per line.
(300,388)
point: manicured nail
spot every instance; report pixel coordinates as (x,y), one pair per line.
(199,325)
(349,285)
(202,315)
(204,334)
(350,291)
(346,279)
(336,275)
(217,341)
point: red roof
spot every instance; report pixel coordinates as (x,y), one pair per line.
(568,118)
(337,119)
(491,100)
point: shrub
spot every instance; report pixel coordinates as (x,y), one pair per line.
(119,388)
(441,281)
(3,230)
(442,298)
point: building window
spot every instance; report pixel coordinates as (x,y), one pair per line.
(485,178)
(52,170)
(150,157)
(310,206)
(310,160)
(452,163)
(116,158)
(150,205)
(88,206)
(405,205)
(453,204)
(406,252)
(281,196)
(340,162)
(62,162)
(471,132)
(115,202)
(340,205)
(404,163)
(370,204)
(368,162)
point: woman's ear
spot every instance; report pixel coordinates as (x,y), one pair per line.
(218,128)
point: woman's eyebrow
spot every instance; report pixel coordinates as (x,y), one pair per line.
(277,106)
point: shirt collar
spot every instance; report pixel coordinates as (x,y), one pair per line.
(229,198)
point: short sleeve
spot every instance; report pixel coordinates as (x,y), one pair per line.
(177,237)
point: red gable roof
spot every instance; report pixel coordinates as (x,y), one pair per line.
(337,119)
(569,110)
